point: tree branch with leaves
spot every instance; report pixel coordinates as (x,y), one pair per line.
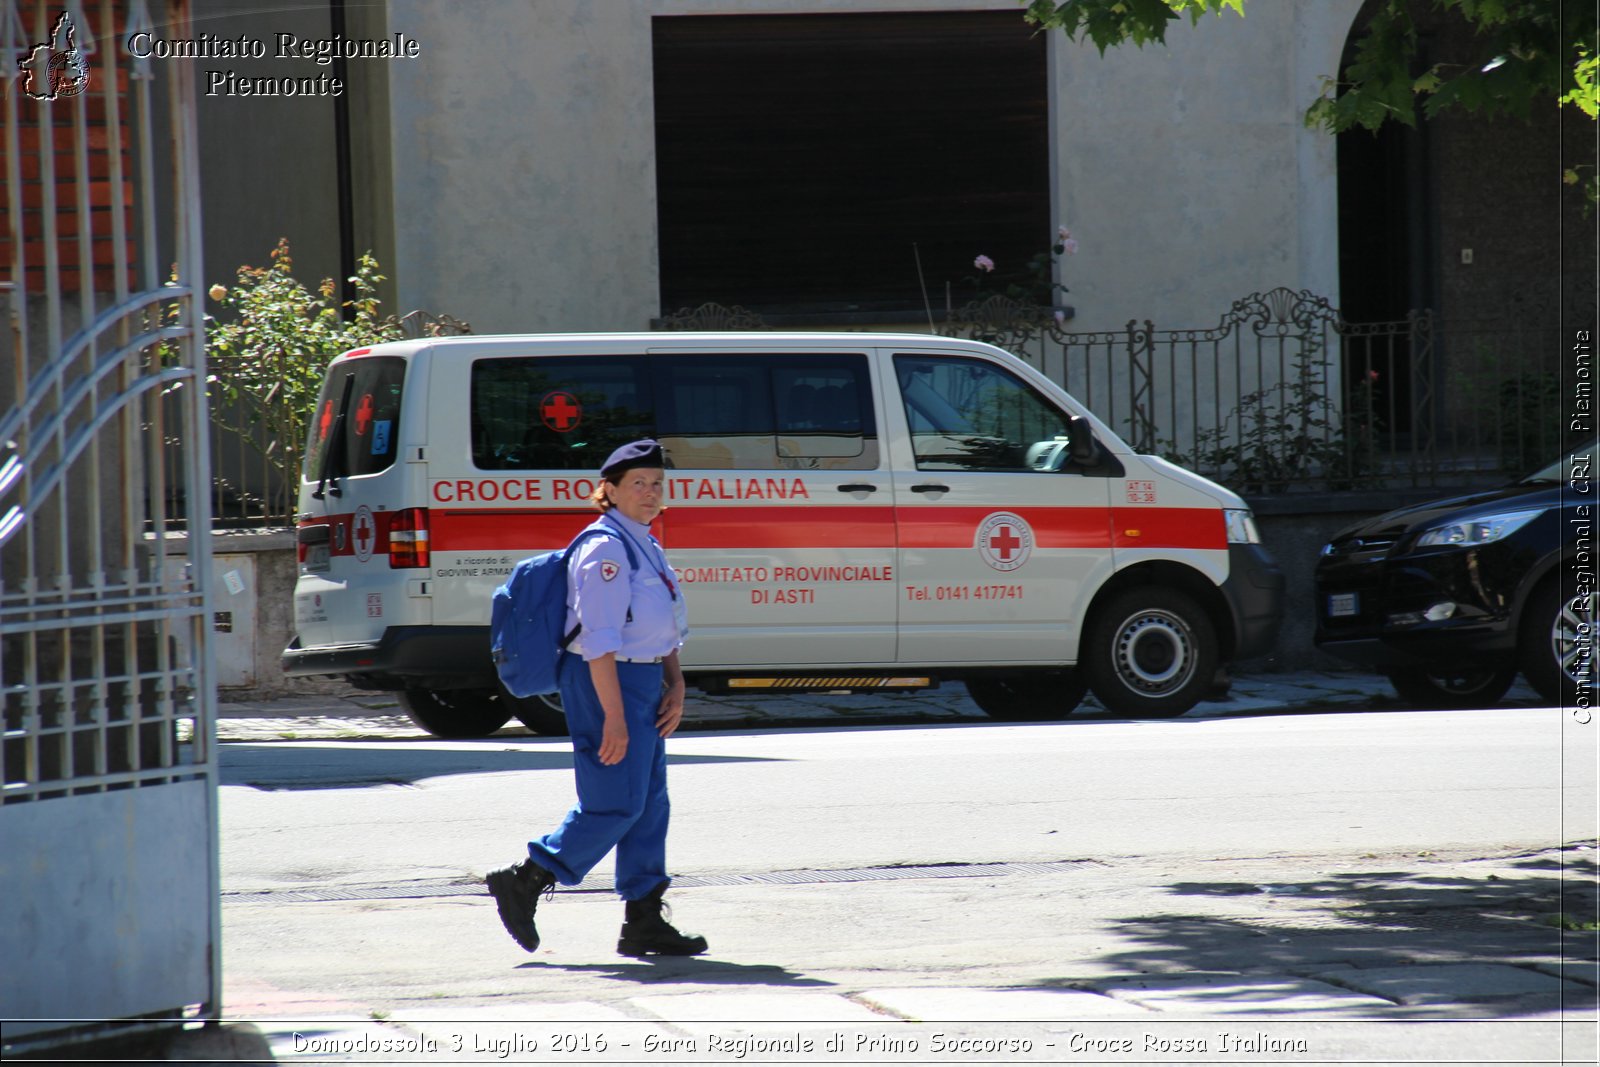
(1524,54)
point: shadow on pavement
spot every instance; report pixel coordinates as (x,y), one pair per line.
(1333,928)
(271,765)
(691,970)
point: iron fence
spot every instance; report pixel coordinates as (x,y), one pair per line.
(1285,395)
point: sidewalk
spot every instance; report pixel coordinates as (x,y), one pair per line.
(355,715)
(1379,958)
(1392,960)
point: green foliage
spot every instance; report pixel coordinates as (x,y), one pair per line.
(1290,434)
(1524,53)
(266,363)
(1107,23)
(1517,409)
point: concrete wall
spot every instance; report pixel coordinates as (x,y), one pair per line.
(524,182)
(523,162)
(1187,172)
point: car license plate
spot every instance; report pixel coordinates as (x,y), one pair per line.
(1343,604)
(316,557)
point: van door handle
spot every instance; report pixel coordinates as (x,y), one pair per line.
(931,488)
(858,487)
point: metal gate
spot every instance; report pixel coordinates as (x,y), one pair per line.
(1284,394)
(109,871)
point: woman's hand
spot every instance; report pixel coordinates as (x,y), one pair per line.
(614,731)
(670,712)
(613,739)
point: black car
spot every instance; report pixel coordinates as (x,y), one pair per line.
(1452,598)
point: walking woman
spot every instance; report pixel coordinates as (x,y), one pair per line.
(622,690)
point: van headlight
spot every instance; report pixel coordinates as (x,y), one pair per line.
(1241,526)
(1479,531)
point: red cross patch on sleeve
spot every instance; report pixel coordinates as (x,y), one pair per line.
(609,569)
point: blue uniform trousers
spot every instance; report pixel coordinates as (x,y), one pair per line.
(623,806)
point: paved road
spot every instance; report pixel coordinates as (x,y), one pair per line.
(1317,878)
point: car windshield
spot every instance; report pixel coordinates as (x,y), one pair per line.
(1556,473)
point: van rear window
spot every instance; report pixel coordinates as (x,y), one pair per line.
(710,412)
(355,427)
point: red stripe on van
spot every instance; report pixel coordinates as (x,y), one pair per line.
(957,527)
(510,529)
(1168,528)
(702,528)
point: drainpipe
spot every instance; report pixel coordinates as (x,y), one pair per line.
(341,144)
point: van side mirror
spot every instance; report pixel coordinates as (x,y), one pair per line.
(1082,449)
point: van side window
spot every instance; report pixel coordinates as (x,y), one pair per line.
(971,415)
(824,412)
(556,413)
(784,412)
(366,392)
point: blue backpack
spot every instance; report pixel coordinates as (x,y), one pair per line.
(527,614)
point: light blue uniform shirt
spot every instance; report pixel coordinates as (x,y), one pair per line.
(601,591)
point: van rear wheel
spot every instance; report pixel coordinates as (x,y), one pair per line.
(541,714)
(1150,653)
(456,714)
(1028,697)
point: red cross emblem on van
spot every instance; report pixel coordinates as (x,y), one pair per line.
(560,411)
(1005,541)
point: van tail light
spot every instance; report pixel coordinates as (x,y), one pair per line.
(408,538)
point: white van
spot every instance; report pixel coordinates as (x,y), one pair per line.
(846,511)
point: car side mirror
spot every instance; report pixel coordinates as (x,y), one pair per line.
(1082,448)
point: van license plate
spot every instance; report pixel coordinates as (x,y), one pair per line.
(316,557)
(1342,604)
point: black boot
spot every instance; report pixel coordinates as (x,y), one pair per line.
(516,892)
(645,930)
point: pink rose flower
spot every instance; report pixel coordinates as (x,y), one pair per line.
(983,263)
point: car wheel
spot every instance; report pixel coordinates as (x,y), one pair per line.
(1557,645)
(541,714)
(1467,687)
(1031,697)
(1150,653)
(456,714)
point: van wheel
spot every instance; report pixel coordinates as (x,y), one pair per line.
(456,714)
(541,714)
(1467,687)
(1030,697)
(1556,646)
(1150,653)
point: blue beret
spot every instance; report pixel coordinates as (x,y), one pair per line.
(644,453)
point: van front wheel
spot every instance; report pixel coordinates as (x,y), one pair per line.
(1028,697)
(456,714)
(1150,653)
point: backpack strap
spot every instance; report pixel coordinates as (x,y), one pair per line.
(583,535)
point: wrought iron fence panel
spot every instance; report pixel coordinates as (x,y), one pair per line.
(1284,394)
